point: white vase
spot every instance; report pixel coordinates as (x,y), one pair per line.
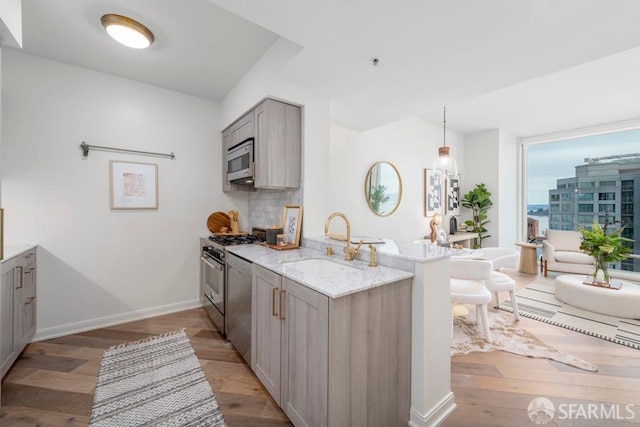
(600,276)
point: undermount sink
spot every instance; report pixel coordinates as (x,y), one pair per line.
(318,267)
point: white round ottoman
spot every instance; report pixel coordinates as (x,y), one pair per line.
(623,302)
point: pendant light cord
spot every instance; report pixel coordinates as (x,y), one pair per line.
(444,129)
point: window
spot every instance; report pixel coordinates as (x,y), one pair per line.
(599,171)
(585,219)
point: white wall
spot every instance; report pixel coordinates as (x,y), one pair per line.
(411,145)
(11,23)
(495,163)
(508,191)
(96,265)
(264,80)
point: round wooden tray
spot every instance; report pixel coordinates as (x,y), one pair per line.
(218,220)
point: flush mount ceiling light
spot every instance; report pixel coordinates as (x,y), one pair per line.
(445,162)
(127,31)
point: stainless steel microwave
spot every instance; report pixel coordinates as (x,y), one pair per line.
(240,162)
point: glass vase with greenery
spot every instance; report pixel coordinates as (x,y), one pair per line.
(479,202)
(604,248)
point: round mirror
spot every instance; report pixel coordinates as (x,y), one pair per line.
(383,188)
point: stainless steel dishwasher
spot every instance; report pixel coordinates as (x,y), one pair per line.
(239,304)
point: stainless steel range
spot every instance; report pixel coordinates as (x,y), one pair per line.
(214,292)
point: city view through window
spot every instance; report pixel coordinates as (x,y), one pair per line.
(575,182)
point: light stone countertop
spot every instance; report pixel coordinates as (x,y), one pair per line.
(334,286)
(13,250)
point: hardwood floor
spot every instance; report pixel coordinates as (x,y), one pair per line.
(495,389)
(52,382)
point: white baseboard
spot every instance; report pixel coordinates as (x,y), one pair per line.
(117,319)
(435,416)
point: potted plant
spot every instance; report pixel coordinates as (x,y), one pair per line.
(604,248)
(479,202)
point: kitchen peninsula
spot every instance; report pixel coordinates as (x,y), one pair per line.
(418,275)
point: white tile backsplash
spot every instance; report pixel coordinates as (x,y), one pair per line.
(266,206)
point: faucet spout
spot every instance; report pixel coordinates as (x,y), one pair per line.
(350,252)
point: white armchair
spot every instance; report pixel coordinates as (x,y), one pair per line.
(561,252)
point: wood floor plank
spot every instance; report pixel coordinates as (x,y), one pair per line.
(491,389)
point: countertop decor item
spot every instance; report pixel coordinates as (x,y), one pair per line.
(233,222)
(154,381)
(292,224)
(133,185)
(217,221)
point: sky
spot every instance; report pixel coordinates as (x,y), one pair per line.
(548,162)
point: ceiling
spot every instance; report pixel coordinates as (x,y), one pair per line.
(526,66)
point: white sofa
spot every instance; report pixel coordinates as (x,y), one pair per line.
(561,252)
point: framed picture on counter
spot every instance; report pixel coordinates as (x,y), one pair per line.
(292,224)
(133,185)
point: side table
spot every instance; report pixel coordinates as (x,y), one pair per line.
(528,257)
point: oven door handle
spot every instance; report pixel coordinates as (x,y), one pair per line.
(215,267)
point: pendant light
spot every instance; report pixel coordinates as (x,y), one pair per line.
(127,31)
(445,162)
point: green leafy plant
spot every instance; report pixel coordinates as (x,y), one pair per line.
(479,202)
(605,248)
(377,197)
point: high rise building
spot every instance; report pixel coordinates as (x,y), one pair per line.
(604,185)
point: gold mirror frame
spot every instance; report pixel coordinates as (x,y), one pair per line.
(376,171)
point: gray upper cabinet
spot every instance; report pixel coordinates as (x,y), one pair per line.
(239,131)
(277,131)
(278,145)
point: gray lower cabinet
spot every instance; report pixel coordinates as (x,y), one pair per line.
(333,362)
(17,307)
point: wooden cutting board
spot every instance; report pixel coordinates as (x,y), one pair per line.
(218,220)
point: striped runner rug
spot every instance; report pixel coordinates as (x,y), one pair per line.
(157,381)
(537,301)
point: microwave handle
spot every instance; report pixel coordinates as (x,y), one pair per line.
(255,171)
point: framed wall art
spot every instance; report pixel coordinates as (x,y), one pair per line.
(453,195)
(292,224)
(133,185)
(433,191)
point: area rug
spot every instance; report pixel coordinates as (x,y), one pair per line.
(506,335)
(157,381)
(537,301)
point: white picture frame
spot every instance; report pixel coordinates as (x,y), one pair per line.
(292,224)
(133,185)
